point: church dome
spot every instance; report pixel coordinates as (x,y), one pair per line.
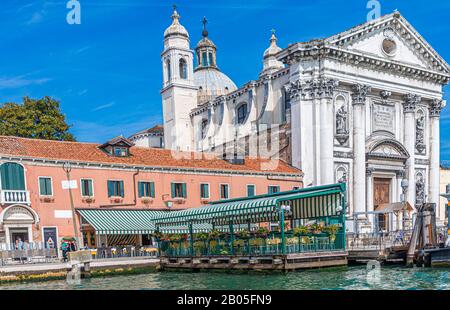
(212,82)
(176,28)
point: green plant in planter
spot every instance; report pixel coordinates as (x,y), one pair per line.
(332,230)
(158,235)
(301,230)
(239,243)
(305,240)
(175,237)
(214,234)
(316,228)
(256,242)
(201,236)
(262,232)
(243,234)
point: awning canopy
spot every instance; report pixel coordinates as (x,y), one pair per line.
(394,207)
(312,202)
(131,222)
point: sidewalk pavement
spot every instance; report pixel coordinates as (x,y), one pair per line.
(109,262)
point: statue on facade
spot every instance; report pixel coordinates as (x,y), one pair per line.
(341,125)
(420,190)
(420,129)
(341,120)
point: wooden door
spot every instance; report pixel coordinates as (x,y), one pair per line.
(382,194)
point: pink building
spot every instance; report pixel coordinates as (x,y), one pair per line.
(35,202)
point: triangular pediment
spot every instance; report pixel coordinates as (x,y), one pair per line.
(375,38)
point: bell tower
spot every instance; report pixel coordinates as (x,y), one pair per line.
(179,93)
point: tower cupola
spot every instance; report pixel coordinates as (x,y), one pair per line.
(270,61)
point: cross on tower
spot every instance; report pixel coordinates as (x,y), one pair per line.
(204,22)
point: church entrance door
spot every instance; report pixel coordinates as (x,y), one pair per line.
(382,195)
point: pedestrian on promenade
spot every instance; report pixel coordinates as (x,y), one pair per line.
(64,249)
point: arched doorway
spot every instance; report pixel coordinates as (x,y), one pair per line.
(386,167)
(17,222)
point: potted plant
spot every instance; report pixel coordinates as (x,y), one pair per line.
(201,236)
(316,228)
(214,234)
(243,234)
(332,230)
(301,231)
(262,232)
(158,235)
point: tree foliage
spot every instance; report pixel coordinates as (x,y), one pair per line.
(35,118)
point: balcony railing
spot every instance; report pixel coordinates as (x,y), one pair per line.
(10,196)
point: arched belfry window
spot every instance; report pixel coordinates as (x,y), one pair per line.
(205,59)
(183,69)
(169,70)
(242,113)
(12,177)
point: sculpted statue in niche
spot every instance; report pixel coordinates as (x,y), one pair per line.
(341,122)
(420,130)
(420,190)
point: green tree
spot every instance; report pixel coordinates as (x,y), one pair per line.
(35,118)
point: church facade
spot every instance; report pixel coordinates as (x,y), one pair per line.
(363,105)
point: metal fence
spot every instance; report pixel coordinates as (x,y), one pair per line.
(378,241)
(241,247)
(125,251)
(8,257)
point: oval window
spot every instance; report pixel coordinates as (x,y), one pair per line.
(389,47)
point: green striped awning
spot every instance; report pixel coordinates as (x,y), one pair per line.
(305,203)
(131,222)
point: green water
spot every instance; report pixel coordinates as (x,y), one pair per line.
(351,278)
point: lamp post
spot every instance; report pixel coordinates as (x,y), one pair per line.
(447,196)
(404,184)
(67,167)
(283,209)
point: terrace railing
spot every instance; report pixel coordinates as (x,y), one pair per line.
(247,247)
(12,196)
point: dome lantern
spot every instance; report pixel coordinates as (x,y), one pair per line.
(206,50)
(271,63)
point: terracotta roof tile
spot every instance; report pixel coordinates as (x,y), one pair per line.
(153,157)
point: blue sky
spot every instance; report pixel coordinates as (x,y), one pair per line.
(107,71)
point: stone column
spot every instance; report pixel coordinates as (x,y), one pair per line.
(435,112)
(369,192)
(294,91)
(327,88)
(409,110)
(359,93)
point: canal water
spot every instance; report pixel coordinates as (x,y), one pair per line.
(351,278)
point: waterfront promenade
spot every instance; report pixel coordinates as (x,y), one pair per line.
(41,271)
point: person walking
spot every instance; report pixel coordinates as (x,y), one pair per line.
(64,248)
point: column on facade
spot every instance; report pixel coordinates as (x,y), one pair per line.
(294,91)
(435,112)
(326,131)
(399,176)
(359,94)
(409,110)
(369,193)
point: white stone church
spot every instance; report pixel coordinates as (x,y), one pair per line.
(363,105)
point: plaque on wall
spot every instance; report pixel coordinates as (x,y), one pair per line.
(383,117)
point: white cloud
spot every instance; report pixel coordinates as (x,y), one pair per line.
(36,18)
(103,106)
(20,81)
